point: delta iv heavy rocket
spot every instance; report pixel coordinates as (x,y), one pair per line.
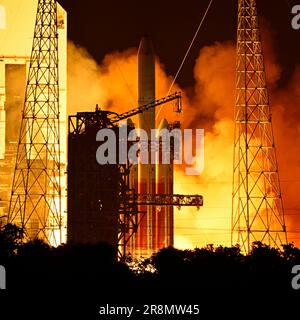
(156,225)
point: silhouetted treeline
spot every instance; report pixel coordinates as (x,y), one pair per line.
(95,267)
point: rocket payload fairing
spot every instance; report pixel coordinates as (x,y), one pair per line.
(146,83)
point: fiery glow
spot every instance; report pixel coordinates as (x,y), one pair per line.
(114,86)
(211,224)
(2,17)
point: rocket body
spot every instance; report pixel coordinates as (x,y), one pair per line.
(146,172)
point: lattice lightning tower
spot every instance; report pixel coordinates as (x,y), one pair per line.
(257,210)
(35,202)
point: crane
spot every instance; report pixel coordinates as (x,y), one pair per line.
(175,96)
(82,121)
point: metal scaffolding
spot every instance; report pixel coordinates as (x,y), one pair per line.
(130,217)
(35,203)
(98,209)
(257,210)
(102,205)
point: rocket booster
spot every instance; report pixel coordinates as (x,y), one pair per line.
(164,215)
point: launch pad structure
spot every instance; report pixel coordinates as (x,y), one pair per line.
(141,195)
(102,205)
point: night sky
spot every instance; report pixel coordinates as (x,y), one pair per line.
(106,26)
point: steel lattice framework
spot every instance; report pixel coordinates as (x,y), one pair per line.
(257,210)
(35,202)
(129,216)
(129,219)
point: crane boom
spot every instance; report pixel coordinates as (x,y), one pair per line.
(145,107)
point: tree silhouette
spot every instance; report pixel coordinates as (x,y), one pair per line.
(88,267)
(10,240)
